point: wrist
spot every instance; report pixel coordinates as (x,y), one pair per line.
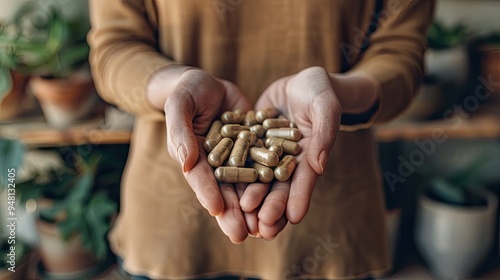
(163,83)
(357,94)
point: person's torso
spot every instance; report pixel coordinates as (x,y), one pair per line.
(253,43)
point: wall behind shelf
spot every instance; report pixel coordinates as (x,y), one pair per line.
(481,15)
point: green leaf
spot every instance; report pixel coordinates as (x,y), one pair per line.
(82,188)
(11,153)
(465,176)
(5,82)
(57,32)
(69,227)
(448,192)
(50,214)
(98,214)
(73,57)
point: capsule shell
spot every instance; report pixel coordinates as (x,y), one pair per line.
(250,118)
(268,113)
(293,125)
(226,174)
(275,123)
(258,129)
(289,147)
(266,174)
(277,149)
(285,168)
(232,130)
(259,143)
(238,155)
(236,117)
(220,153)
(264,156)
(213,136)
(292,134)
(249,136)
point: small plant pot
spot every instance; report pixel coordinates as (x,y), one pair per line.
(454,240)
(490,70)
(448,65)
(10,105)
(60,256)
(65,101)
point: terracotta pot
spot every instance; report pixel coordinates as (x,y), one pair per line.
(490,69)
(11,103)
(59,256)
(65,101)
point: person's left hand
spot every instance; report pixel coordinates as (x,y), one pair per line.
(308,100)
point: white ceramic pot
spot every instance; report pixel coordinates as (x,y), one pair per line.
(448,65)
(455,240)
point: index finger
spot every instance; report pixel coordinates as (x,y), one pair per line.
(303,183)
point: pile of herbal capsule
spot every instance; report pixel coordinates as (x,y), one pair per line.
(251,146)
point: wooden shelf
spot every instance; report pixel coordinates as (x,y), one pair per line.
(486,126)
(36,133)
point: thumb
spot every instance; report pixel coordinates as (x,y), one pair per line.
(182,143)
(273,96)
(325,117)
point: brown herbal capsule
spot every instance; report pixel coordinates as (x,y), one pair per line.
(285,168)
(213,136)
(249,136)
(264,156)
(275,123)
(219,154)
(226,174)
(259,143)
(266,174)
(293,125)
(232,130)
(268,113)
(236,117)
(292,134)
(277,149)
(289,147)
(238,155)
(250,118)
(258,129)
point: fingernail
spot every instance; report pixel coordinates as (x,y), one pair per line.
(258,235)
(182,154)
(322,161)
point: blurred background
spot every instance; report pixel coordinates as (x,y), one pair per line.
(440,159)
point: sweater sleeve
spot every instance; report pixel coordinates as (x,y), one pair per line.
(124,54)
(394,58)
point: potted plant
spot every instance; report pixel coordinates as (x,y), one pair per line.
(74,216)
(490,64)
(455,224)
(447,57)
(16,258)
(41,42)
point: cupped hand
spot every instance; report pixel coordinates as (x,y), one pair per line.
(196,101)
(308,100)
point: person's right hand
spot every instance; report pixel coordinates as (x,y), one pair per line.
(196,101)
